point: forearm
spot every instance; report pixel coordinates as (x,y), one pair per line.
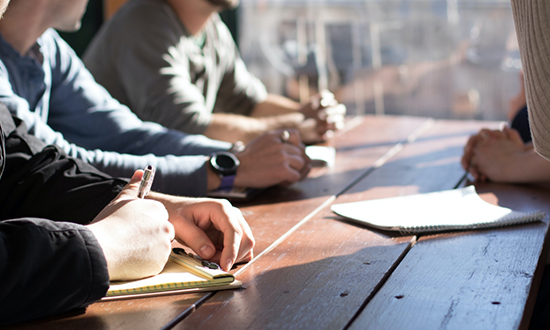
(533,27)
(529,167)
(60,265)
(275,105)
(233,128)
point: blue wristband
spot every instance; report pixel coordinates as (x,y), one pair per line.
(227,182)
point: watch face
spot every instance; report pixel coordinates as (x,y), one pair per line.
(225,162)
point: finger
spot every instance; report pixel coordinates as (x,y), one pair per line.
(194,237)
(239,245)
(248,257)
(484,134)
(294,138)
(171,231)
(473,171)
(296,158)
(465,162)
(472,141)
(323,129)
(305,170)
(337,110)
(131,190)
(496,133)
(468,151)
(502,126)
(291,175)
(288,136)
(513,134)
(232,237)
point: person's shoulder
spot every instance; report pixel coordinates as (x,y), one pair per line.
(143,13)
(51,43)
(139,21)
(50,36)
(220,31)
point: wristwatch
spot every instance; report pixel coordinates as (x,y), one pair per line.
(225,164)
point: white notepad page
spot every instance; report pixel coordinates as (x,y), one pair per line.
(444,210)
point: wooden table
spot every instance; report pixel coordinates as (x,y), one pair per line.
(314,270)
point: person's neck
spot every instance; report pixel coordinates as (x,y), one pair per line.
(21,27)
(194,14)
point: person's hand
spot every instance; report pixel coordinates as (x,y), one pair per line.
(323,116)
(497,155)
(272,159)
(134,233)
(213,228)
(470,146)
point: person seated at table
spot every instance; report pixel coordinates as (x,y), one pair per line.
(67,229)
(44,83)
(532,20)
(175,62)
(506,155)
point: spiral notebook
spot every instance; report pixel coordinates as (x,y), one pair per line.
(184,272)
(457,209)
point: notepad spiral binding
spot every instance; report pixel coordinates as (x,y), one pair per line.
(512,219)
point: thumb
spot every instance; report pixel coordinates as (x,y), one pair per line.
(131,190)
(513,134)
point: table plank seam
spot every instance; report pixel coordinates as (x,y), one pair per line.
(430,122)
(379,286)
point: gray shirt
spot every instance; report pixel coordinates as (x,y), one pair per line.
(147,60)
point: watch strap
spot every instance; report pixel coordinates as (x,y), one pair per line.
(227,182)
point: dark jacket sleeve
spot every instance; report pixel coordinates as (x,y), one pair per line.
(43,182)
(48,267)
(55,265)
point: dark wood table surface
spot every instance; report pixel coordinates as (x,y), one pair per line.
(314,270)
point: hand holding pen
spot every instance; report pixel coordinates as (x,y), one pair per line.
(134,233)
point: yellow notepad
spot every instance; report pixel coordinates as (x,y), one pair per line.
(457,209)
(183,273)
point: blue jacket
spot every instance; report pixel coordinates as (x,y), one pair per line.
(63,105)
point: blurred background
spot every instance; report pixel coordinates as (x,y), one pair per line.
(447,59)
(440,58)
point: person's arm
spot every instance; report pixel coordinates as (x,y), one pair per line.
(233,127)
(533,27)
(501,156)
(156,77)
(312,120)
(47,268)
(41,181)
(85,113)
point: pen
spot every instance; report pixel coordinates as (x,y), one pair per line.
(146,181)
